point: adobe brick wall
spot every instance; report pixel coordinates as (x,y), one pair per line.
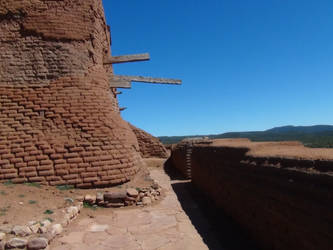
(284,203)
(150,146)
(59,120)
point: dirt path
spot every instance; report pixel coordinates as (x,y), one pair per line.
(162,226)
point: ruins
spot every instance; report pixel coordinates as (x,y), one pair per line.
(60,122)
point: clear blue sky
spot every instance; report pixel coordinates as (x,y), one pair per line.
(245,65)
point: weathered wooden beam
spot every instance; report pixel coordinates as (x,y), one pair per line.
(145,79)
(127,58)
(120,84)
(122,109)
(118,93)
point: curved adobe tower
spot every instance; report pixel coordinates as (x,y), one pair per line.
(59,120)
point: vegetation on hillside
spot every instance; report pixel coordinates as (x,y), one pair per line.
(311,136)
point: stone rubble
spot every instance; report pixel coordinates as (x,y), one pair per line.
(129,197)
(35,235)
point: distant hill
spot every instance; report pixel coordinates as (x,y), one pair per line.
(320,136)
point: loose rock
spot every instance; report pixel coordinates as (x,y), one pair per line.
(21,231)
(56,229)
(16,243)
(115,197)
(132,192)
(34,228)
(99,198)
(37,244)
(91,199)
(6,229)
(146,201)
(2,236)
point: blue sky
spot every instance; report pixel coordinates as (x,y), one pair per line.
(245,65)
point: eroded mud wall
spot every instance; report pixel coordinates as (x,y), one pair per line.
(283,203)
(59,120)
(150,146)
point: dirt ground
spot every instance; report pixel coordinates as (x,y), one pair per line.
(22,203)
(288,149)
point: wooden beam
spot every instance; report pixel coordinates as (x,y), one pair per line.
(145,79)
(122,109)
(127,58)
(120,84)
(118,93)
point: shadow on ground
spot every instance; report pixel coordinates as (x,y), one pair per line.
(218,230)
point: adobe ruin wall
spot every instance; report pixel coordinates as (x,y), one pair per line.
(150,146)
(284,202)
(59,120)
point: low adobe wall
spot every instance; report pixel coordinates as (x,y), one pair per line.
(284,203)
(149,145)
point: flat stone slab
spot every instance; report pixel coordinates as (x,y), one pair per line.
(162,226)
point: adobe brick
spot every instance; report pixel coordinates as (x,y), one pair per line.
(28,169)
(19,180)
(34,152)
(30,174)
(76,149)
(61,172)
(101,183)
(22,154)
(86,154)
(4,162)
(53,178)
(89,174)
(30,148)
(91,159)
(7,156)
(46,162)
(75,160)
(98,164)
(102,173)
(29,158)
(61,166)
(71,155)
(90,179)
(70,176)
(42,158)
(84,185)
(94,169)
(33,163)
(4,151)
(57,183)
(8,171)
(46,173)
(10,176)
(56,156)
(36,179)
(17,150)
(106,178)
(49,151)
(44,167)
(21,165)
(84,165)
(60,150)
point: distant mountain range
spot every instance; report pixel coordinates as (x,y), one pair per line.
(320,136)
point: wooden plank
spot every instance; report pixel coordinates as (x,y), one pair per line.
(146,79)
(120,84)
(128,58)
